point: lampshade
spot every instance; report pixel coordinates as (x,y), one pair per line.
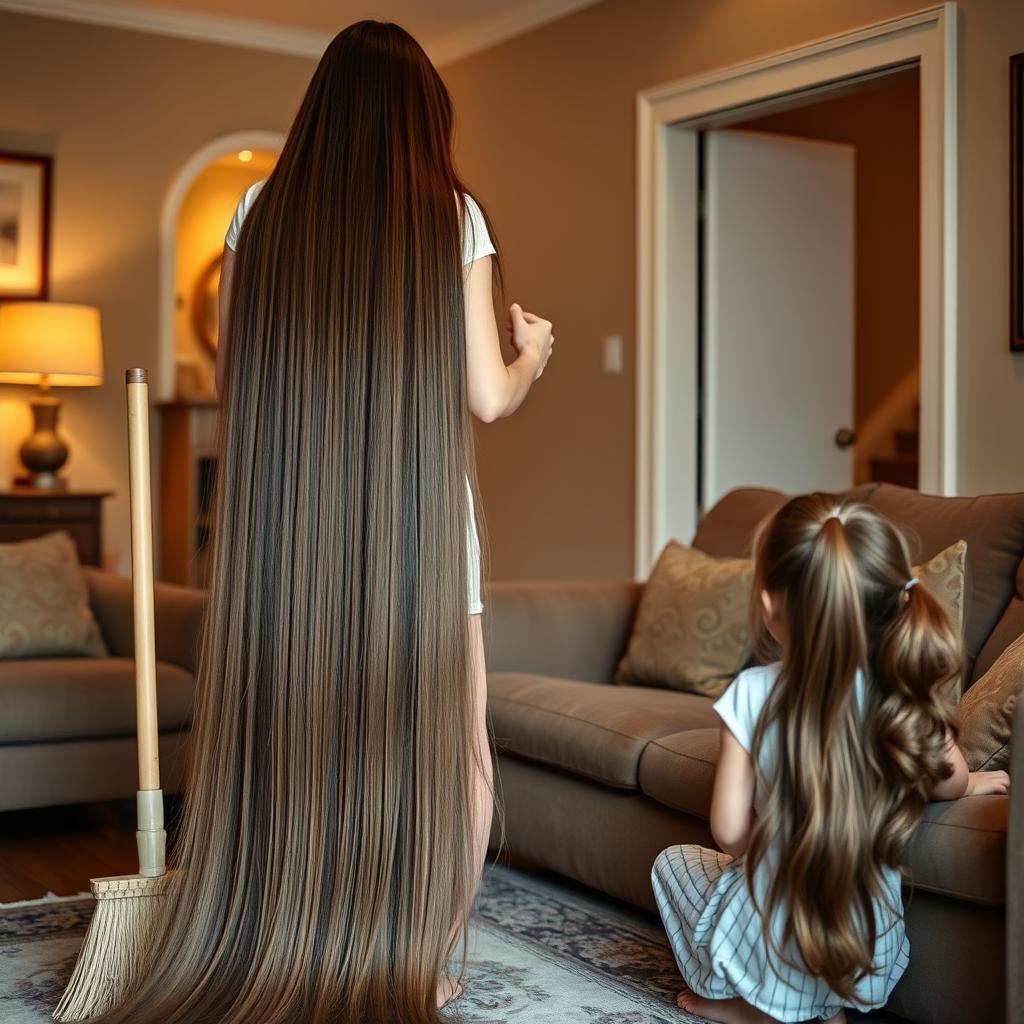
(52,343)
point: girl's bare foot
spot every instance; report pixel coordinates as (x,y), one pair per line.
(724,1011)
(732,1011)
(448,990)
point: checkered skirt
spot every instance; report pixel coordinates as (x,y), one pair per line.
(717,939)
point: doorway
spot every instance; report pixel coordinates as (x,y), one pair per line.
(810,274)
(671,122)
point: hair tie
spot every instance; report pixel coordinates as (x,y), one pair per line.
(910,584)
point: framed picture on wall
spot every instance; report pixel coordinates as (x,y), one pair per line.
(1017,203)
(24,226)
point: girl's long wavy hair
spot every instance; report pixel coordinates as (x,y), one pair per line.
(850,782)
(325,845)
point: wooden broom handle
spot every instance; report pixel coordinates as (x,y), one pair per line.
(142,578)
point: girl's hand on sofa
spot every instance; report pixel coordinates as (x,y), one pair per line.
(985,783)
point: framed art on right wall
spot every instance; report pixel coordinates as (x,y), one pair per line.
(1017,203)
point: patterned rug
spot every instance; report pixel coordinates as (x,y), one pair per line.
(539,953)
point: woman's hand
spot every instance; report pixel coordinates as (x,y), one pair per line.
(987,783)
(532,337)
(497,390)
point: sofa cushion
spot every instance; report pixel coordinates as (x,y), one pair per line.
(986,712)
(959,848)
(589,729)
(679,770)
(44,602)
(76,698)
(691,630)
(1008,628)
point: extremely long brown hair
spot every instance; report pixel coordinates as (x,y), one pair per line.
(850,782)
(325,848)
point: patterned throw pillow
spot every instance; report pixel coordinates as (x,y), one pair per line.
(945,576)
(691,628)
(986,711)
(44,601)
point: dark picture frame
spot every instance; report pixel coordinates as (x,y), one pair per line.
(1017,203)
(25,197)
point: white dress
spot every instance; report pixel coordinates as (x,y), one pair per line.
(476,244)
(715,929)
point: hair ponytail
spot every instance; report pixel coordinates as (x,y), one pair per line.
(855,761)
(918,656)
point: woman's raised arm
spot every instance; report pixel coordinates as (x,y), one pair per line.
(497,390)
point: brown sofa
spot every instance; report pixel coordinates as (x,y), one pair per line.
(596,779)
(67,725)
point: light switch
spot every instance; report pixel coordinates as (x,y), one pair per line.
(611,357)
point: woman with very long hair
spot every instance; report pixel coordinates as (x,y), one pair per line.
(339,796)
(829,755)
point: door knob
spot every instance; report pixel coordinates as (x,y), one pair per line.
(845,437)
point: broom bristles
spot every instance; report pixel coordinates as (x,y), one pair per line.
(119,934)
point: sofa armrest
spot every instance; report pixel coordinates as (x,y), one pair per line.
(568,630)
(1015,873)
(178,611)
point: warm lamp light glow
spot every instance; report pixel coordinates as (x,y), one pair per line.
(50,343)
(245,155)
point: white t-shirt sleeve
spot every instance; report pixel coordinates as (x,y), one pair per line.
(476,242)
(241,212)
(740,706)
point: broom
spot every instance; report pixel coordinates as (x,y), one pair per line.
(122,924)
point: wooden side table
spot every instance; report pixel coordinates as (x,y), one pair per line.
(26,513)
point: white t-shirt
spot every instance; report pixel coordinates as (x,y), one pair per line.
(740,709)
(476,242)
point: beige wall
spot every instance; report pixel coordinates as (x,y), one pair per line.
(882,123)
(547,136)
(121,112)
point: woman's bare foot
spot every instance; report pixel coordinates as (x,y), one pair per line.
(448,990)
(724,1011)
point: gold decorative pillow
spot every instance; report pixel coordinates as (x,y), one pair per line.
(691,629)
(44,601)
(945,577)
(986,711)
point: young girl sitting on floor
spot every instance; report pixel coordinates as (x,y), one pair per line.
(828,759)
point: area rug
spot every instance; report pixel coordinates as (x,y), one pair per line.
(539,953)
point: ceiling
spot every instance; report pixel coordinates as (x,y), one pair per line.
(448,29)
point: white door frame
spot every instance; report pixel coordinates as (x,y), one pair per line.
(169,216)
(669,119)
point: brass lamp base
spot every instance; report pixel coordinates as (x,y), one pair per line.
(43,453)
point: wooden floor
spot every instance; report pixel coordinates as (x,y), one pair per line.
(58,849)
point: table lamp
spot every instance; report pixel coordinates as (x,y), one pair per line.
(49,344)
